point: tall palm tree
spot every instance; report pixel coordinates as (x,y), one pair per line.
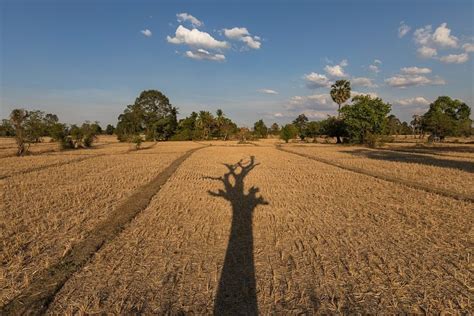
(340,92)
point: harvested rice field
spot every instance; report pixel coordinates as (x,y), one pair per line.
(226,228)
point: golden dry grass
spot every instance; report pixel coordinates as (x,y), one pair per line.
(453,174)
(44,213)
(327,241)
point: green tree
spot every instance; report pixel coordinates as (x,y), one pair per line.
(152,114)
(274,129)
(340,92)
(260,129)
(448,117)
(205,124)
(394,126)
(110,129)
(333,127)
(6,128)
(301,123)
(366,116)
(289,131)
(313,129)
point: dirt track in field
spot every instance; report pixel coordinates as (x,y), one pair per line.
(249,229)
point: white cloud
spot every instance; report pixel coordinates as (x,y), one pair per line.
(442,37)
(415,70)
(267,91)
(202,54)
(377,61)
(356,93)
(416,101)
(427,52)
(363,82)
(315,80)
(455,58)
(404,81)
(337,70)
(184,17)
(251,42)
(196,38)
(278,114)
(311,102)
(236,33)
(422,36)
(468,47)
(146,32)
(243,35)
(403,29)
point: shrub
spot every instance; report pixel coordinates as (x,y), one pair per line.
(137,140)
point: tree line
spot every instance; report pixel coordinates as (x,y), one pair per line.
(152,117)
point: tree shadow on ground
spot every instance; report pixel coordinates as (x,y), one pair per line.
(412,158)
(236,293)
(435,149)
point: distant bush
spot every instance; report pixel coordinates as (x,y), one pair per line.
(289,131)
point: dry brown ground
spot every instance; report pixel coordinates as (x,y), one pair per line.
(43,213)
(304,237)
(453,174)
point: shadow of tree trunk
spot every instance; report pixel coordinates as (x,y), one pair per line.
(236,293)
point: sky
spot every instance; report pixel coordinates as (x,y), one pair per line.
(270,60)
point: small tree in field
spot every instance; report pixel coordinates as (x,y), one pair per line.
(23,137)
(137,140)
(289,131)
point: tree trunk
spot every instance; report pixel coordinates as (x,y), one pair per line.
(339,141)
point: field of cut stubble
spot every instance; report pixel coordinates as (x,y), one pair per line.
(242,229)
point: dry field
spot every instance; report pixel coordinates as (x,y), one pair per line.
(238,229)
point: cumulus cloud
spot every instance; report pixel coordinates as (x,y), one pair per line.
(185,17)
(404,81)
(267,91)
(236,33)
(415,70)
(468,47)
(337,71)
(311,102)
(403,29)
(416,101)
(251,42)
(455,58)
(196,38)
(363,82)
(278,114)
(315,80)
(243,35)
(356,93)
(427,52)
(146,32)
(202,54)
(442,37)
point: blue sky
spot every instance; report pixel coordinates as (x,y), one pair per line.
(86,60)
